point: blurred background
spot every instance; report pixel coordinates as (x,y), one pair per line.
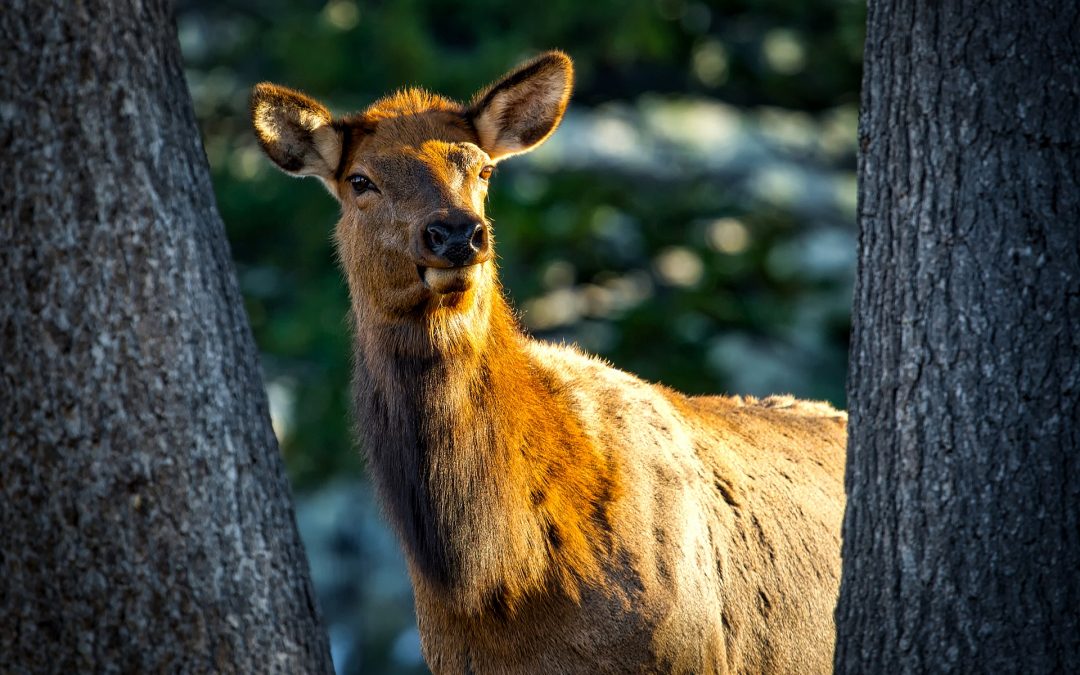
(692,220)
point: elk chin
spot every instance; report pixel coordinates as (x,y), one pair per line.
(452,280)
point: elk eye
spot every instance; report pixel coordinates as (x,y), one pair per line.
(361,184)
(486,172)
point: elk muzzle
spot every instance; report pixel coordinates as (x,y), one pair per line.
(449,252)
(455,243)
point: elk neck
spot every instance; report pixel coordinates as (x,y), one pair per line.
(481,462)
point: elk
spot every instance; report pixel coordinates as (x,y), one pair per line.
(557,515)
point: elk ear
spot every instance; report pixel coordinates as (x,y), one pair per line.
(520,111)
(295,131)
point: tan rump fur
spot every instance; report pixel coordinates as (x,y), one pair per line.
(558,515)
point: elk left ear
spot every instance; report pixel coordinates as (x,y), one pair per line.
(520,111)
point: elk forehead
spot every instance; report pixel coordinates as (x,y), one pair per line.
(430,169)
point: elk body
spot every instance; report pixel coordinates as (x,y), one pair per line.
(557,515)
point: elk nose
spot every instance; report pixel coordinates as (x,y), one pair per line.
(456,243)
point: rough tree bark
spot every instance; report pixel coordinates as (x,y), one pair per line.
(146,520)
(962,534)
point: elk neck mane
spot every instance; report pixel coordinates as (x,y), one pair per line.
(483,467)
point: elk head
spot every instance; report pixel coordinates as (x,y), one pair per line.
(411,173)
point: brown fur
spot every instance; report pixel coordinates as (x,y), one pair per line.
(558,515)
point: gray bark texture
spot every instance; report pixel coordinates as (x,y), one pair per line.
(962,532)
(145,515)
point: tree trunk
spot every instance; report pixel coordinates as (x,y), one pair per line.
(962,533)
(146,519)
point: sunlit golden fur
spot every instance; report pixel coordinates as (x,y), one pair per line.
(557,515)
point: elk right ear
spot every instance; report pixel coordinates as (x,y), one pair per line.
(295,131)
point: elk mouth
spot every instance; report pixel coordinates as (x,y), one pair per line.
(446,280)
